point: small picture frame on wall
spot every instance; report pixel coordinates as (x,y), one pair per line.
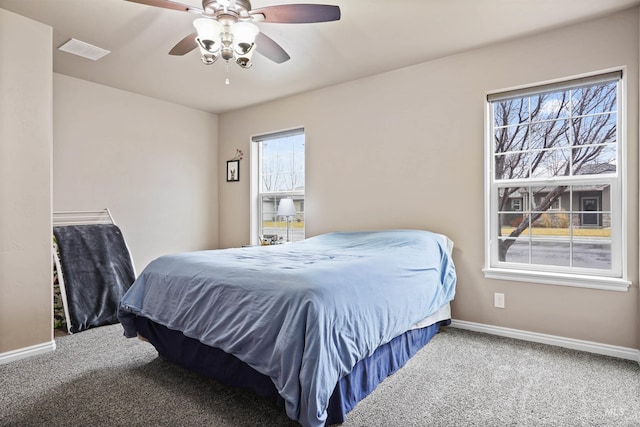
(233,170)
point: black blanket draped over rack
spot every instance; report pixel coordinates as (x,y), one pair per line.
(97,271)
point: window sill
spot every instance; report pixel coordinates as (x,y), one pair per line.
(546,278)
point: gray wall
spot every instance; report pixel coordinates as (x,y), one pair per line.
(152,163)
(25,184)
(405,149)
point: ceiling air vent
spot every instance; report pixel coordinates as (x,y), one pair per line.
(83,49)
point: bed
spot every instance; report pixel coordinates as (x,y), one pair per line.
(315,325)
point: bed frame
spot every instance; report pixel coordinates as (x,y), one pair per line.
(214,363)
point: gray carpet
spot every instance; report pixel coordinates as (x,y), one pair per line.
(461,378)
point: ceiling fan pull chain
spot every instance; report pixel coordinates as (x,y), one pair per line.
(226,81)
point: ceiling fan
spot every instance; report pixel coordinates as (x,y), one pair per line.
(227,28)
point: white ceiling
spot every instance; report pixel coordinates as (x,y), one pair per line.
(373,36)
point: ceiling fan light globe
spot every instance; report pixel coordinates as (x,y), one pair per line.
(243,48)
(244,35)
(208,29)
(245,30)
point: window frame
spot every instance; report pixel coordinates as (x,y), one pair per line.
(256,195)
(614,279)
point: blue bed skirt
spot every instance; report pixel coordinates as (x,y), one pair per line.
(227,369)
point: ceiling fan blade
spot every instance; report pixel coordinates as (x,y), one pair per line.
(185,45)
(270,49)
(166,4)
(298,13)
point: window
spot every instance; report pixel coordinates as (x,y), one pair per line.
(277,173)
(554,197)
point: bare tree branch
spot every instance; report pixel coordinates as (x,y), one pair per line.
(552,134)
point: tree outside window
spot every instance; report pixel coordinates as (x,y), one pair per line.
(555,176)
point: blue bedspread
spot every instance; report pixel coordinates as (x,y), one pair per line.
(303,313)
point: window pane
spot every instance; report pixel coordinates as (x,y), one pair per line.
(595,99)
(282,164)
(556,231)
(509,222)
(277,228)
(511,112)
(511,138)
(549,197)
(512,166)
(549,134)
(595,160)
(549,106)
(592,255)
(516,251)
(269,182)
(281,171)
(560,136)
(509,194)
(550,253)
(550,163)
(593,208)
(551,224)
(512,208)
(590,130)
(269,223)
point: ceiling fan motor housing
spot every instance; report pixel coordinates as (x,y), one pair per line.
(240,8)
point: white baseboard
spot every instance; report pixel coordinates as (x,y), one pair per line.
(588,346)
(21,353)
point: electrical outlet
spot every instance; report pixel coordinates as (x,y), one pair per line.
(498,300)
